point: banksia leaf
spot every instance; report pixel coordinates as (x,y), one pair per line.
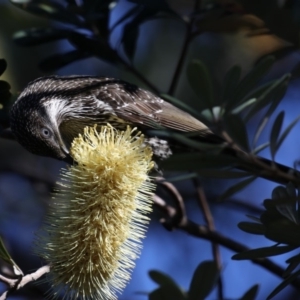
(97,219)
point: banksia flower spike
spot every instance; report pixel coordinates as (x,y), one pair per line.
(97,220)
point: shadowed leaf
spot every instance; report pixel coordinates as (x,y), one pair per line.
(166,293)
(3,66)
(58,61)
(36,36)
(230,83)
(284,284)
(49,9)
(253,228)
(4,254)
(253,77)
(200,80)
(204,279)
(237,130)
(251,293)
(236,188)
(94,46)
(263,252)
(275,133)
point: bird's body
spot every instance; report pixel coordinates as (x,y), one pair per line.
(52,111)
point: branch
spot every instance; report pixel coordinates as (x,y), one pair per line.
(201,231)
(211,226)
(16,284)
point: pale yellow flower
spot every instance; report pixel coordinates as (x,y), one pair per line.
(98,215)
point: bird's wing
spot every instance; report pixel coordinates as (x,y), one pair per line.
(144,109)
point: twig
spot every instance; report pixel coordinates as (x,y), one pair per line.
(16,284)
(211,226)
(201,231)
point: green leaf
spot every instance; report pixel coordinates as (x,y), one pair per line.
(166,293)
(37,36)
(263,252)
(286,132)
(253,77)
(237,187)
(182,177)
(49,9)
(185,140)
(236,128)
(243,106)
(272,95)
(283,284)
(3,66)
(200,80)
(230,83)
(204,279)
(198,161)
(251,293)
(275,133)
(261,148)
(58,61)
(253,228)
(4,254)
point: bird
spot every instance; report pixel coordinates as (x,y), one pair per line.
(51,111)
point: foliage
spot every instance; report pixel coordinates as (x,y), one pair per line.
(86,26)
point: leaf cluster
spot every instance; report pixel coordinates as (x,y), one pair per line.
(279,223)
(202,284)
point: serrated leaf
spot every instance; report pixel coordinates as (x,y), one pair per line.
(236,128)
(37,36)
(204,279)
(166,293)
(251,293)
(253,228)
(3,66)
(200,80)
(58,61)
(286,132)
(49,9)
(263,252)
(236,188)
(283,284)
(253,77)
(231,80)
(275,133)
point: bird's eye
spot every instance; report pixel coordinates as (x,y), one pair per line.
(46,132)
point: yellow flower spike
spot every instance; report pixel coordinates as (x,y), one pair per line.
(98,217)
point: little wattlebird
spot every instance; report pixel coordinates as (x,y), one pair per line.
(53,110)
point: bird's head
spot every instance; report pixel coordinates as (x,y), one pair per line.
(35,125)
